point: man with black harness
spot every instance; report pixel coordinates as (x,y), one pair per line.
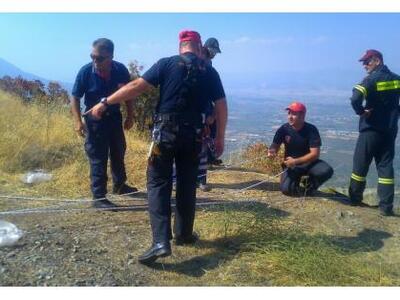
(186,85)
(378,130)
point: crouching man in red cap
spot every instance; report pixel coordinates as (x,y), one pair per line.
(302,148)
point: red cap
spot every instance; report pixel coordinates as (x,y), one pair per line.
(297,107)
(371,53)
(189,35)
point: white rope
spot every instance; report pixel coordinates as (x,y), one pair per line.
(16,197)
(121,208)
(12,197)
(77,201)
(46,210)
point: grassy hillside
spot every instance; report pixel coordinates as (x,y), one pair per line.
(257,238)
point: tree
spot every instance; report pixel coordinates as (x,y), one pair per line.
(146,103)
(56,94)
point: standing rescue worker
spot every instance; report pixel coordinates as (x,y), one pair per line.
(210,49)
(302,148)
(378,129)
(186,86)
(104,138)
(207,155)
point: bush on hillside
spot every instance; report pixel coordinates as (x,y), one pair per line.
(31,91)
(255,157)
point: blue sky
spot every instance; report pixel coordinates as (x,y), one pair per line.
(255,47)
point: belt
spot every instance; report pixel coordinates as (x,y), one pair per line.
(180,118)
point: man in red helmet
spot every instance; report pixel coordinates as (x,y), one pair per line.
(376,101)
(302,148)
(186,87)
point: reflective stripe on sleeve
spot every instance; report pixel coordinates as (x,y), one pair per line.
(361,89)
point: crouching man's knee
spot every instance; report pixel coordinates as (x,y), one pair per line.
(289,189)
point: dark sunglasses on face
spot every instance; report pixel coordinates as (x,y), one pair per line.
(98,58)
(366,62)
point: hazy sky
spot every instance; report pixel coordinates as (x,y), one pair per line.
(253,45)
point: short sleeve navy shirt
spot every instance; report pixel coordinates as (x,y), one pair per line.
(169,73)
(297,143)
(89,84)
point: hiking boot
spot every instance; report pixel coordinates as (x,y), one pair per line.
(189,240)
(124,189)
(105,204)
(216,162)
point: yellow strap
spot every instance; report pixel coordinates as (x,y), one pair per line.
(362,89)
(386,180)
(387,85)
(358,178)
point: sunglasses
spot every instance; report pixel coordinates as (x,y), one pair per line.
(98,58)
(367,62)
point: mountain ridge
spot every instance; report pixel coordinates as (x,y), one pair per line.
(9,69)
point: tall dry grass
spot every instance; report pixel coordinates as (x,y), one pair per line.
(41,136)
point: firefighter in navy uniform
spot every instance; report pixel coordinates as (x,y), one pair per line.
(378,129)
(186,85)
(104,138)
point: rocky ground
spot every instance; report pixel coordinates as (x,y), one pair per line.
(93,248)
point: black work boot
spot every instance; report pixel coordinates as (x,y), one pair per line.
(105,204)
(124,189)
(186,240)
(156,250)
(386,212)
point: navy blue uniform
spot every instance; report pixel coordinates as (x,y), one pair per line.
(178,126)
(298,144)
(381,92)
(105,137)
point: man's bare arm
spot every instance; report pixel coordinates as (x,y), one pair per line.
(221,116)
(76,113)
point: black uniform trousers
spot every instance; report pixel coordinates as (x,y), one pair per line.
(105,138)
(185,151)
(318,171)
(379,146)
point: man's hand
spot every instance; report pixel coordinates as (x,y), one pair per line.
(80,128)
(219,147)
(290,162)
(367,113)
(128,123)
(97,111)
(271,153)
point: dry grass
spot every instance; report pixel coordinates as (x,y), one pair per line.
(40,137)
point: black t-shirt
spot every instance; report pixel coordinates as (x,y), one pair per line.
(169,73)
(297,143)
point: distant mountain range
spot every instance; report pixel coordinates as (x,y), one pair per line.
(8,69)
